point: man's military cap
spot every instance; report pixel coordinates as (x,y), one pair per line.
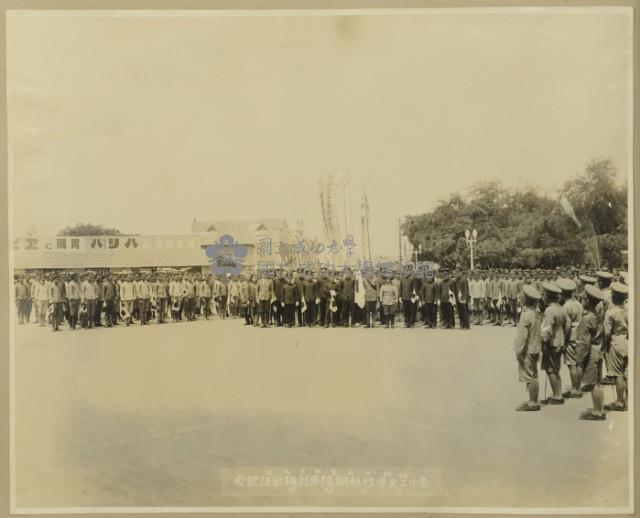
(620,288)
(587,279)
(593,292)
(602,274)
(551,287)
(530,292)
(566,284)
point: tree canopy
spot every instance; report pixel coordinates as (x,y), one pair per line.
(89,229)
(525,228)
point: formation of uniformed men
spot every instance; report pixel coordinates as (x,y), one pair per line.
(586,324)
(325,297)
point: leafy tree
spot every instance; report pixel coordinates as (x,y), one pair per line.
(526,228)
(89,229)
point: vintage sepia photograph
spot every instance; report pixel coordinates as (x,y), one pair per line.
(321,260)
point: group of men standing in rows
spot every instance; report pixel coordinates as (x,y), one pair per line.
(584,322)
(324,297)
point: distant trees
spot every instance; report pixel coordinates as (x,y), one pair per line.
(586,223)
(89,229)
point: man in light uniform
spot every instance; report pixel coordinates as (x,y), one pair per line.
(527,347)
(554,329)
(573,313)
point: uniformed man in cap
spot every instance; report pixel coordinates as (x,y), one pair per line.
(589,343)
(616,341)
(604,280)
(347,299)
(527,347)
(332,287)
(277,310)
(444,301)
(323,293)
(573,313)
(554,329)
(108,295)
(264,295)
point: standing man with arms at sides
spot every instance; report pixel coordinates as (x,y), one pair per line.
(371,288)
(300,285)
(175,291)
(108,295)
(332,287)
(389,299)
(73,298)
(143,292)
(189,294)
(222,294)
(88,297)
(462,299)
(277,307)
(446,309)
(97,287)
(323,293)
(160,293)
(127,296)
(429,296)
(41,296)
(347,297)
(527,347)
(554,329)
(56,295)
(477,293)
(407,299)
(604,280)
(264,291)
(616,340)
(311,296)
(21,298)
(589,343)
(573,313)
(290,300)
(250,310)
(204,295)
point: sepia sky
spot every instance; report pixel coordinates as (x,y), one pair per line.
(144,121)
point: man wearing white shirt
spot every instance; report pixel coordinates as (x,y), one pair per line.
(143,293)
(88,296)
(477,290)
(127,296)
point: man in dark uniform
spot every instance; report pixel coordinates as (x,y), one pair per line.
(589,343)
(527,347)
(311,297)
(554,329)
(108,295)
(290,299)
(408,295)
(323,293)
(277,310)
(332,294)
(347,298)
(446,308)
(573,313)
(462,299)
(299,282)
(429,297)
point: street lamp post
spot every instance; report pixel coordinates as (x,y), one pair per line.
(471,238)
(417,251)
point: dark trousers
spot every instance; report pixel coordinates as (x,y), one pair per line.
(57,315)
(348,312)
(299,315)
(369,312)
(289,314)
(431,314)
(331,317)
(206,310)
(322,311)
(109,313)
(264,312)
(143,310)
(161,307)
(248,313)
(463,314)
(446,314)
(74,305)
(277,313)
(409,311)
(310,314)
(91,312)
(222,306)
(97,320)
